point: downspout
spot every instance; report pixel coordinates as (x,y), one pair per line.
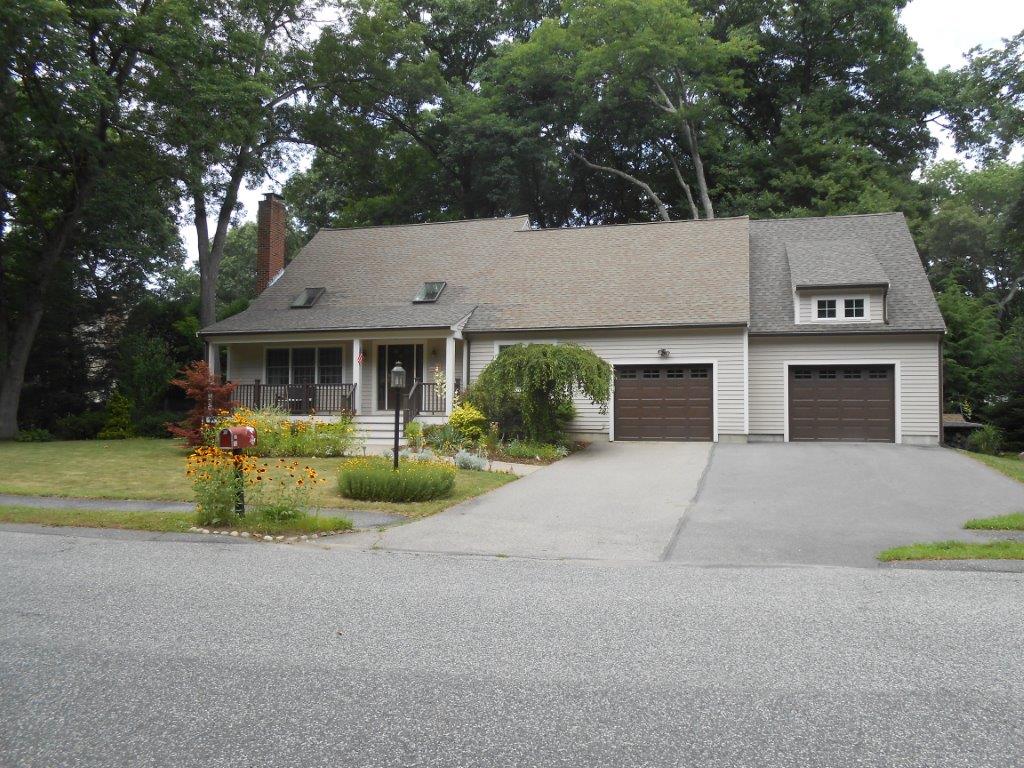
(942,393)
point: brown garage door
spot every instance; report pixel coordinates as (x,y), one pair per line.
(664,402)
(842,403)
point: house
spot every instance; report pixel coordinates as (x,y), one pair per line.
(731,329)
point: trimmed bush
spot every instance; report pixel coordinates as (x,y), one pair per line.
(118,425)
(33,436)
(80,426)
(373,479)
(469,421)
(467,460)
(987,439)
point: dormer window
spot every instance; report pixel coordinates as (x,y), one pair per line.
(307,298)
(429,292)
(828,309)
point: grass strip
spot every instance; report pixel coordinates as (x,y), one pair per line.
(957,550)
(1013,522)
(1011,466)
(175,522)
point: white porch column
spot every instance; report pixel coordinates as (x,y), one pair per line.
(449,374)
(465,364)
(357,372)
(213,357)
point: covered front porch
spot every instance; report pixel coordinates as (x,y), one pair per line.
(332,373)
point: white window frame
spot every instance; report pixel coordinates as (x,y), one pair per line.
(840,300)
(316,360)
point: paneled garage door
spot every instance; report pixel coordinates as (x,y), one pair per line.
(664,402)
(856,403)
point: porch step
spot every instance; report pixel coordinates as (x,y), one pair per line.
(378,429)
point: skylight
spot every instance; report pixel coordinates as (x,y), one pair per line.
(429,292)
(307,298)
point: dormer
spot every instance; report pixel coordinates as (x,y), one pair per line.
(836,282)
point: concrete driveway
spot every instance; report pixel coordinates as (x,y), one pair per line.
(834,504)
(613,501)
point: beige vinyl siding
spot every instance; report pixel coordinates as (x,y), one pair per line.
(917,355)
(724,346)
(807,304)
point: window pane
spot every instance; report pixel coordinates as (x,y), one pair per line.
(878,373)
(802,373)
(627,374)
(851,373)
(826,308)
(698,373)
(303,365)
(330,365)
(277,366)
(827,373)
(853,307)
(676,373)
(652,373)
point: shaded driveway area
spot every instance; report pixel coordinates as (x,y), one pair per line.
(613,501)
(834,504)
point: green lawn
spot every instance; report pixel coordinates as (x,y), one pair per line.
(957,550)
(155,470)
(160,521)
(1014,522)
(1009,465)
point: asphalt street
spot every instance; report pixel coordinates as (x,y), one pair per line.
(126,652)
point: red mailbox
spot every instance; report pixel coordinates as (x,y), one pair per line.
(237,438)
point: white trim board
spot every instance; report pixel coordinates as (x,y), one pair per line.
(832,363)
(652,361)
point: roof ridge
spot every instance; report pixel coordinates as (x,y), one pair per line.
(425,223)
(637,224)
(832,216)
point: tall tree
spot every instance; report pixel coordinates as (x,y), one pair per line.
(73,80)
(227,113)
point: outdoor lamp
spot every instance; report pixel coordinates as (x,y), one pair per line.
(398,376)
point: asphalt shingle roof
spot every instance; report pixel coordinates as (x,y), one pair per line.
(880,239)
(837,262)
(510,277)
(502,276)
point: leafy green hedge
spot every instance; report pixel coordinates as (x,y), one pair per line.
(373,479)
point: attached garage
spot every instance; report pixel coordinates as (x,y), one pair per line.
(846,403)
(664,402)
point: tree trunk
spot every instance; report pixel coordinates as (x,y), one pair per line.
(698,167)
(24,337)
(211,254)
(682,183)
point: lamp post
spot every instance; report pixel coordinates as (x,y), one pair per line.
(397,385)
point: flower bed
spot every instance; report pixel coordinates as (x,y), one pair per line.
(279,435)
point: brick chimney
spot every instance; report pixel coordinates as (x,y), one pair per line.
(270,227)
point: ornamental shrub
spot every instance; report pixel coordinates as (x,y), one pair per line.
(521,449)
(467,460)
(444,438)
(373,479)
(536,384)
(469,421)
(201,387)
(987,439)
(80,426)
(33,436)
(118,424)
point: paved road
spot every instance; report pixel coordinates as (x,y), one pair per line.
(835,504)
(135,653)
(617,501)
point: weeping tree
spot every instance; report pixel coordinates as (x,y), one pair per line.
(535,384)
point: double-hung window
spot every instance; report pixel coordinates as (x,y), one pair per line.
(841,308)
(305,365)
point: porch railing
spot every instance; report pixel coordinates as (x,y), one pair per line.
(297,399)
(423,397)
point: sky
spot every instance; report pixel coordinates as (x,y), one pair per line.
(944,29)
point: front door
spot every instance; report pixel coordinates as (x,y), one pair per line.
(411,358)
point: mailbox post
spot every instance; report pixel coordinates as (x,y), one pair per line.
(237,439)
